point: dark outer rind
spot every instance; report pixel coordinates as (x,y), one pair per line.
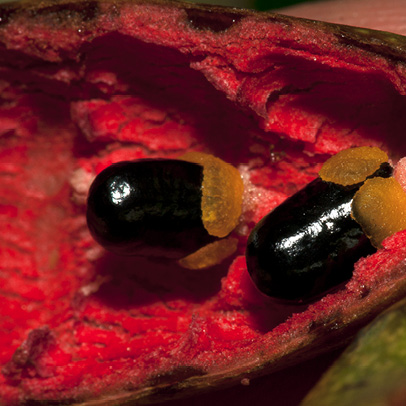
(323,336)
(68,12)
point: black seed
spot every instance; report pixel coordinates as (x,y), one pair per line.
(148,208)
(309,243)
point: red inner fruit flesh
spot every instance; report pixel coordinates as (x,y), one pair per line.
(80,91)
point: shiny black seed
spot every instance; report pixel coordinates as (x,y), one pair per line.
(309,243)
(148,208)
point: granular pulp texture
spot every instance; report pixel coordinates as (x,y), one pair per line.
(87,84)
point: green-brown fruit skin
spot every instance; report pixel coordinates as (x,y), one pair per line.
(372,368)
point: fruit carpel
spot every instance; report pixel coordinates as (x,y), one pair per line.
(164,77)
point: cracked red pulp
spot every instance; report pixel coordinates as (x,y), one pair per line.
(85,84)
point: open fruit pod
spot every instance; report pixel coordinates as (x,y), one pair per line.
(85,84)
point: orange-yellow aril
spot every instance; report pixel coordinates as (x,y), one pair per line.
(211,254)
(379,207)
(222,191)
(353,165)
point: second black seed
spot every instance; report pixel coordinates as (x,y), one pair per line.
(309,243)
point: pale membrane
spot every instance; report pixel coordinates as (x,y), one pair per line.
(400,173)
